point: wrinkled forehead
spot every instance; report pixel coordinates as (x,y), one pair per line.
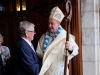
(52,20)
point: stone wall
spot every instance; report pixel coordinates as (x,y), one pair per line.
(90,36)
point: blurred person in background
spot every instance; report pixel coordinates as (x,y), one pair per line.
(4,52)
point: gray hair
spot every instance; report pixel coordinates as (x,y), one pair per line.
(1,37)
(25,25)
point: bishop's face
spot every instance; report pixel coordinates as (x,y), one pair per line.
(53,25)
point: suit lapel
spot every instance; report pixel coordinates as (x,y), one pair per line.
(23,41)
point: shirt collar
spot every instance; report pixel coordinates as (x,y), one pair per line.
(27,41)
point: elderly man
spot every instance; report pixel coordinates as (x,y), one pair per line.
(24,58)
(51,46)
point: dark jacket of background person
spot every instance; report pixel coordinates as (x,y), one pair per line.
(1,67)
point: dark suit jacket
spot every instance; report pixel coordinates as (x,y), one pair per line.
(1,67)
(24,60)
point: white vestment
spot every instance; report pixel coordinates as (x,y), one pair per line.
(54,57)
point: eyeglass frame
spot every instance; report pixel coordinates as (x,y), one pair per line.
(31,31)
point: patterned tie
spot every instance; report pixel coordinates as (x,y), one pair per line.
(33,48)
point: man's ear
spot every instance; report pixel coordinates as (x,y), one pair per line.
(26,33)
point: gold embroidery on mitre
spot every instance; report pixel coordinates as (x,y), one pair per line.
(57,14)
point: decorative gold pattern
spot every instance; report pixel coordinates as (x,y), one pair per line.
(57,14)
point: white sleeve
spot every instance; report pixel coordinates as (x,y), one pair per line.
(75,49)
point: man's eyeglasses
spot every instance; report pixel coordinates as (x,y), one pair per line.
(31,31)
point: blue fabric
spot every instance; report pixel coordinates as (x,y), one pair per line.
(24,60)
(47,37)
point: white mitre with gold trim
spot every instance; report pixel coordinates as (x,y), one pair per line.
(56,14)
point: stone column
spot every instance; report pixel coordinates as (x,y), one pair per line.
(90,37)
